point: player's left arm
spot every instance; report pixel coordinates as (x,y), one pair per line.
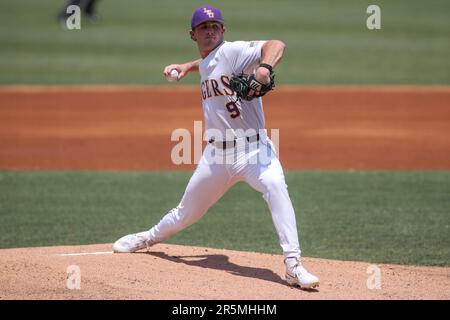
(271,53)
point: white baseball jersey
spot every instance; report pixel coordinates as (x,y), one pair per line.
(221,110)
(212,179)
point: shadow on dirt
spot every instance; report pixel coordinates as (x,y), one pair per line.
(221,262)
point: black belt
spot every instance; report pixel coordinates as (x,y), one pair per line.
(232,144)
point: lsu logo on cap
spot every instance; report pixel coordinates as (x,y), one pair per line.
(208,12)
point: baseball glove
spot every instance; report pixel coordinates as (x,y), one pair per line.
(248,88)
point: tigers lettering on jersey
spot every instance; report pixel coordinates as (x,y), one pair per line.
(216,87)
(221,109)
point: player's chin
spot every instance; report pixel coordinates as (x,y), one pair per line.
(211,42)
(213,45)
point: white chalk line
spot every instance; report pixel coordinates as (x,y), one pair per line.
(83,254)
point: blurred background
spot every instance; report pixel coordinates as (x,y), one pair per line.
(327,41)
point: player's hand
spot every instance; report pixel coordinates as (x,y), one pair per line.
(262,75)
(181,68)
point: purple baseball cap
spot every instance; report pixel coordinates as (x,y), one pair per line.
(206,13)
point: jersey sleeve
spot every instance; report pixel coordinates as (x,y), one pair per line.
(244,55)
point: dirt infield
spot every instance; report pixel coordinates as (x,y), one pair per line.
(180,272)
(123,128)
(129,128)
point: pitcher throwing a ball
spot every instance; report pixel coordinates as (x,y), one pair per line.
(234,77)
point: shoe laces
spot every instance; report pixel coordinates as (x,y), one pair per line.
(297,268)
(143,239)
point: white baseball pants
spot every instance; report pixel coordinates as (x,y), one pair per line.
(258,165)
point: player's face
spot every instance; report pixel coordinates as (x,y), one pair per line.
(208,35)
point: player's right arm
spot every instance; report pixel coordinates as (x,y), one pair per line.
(182,69)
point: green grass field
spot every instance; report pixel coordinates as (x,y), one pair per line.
(397,217)
(327,41)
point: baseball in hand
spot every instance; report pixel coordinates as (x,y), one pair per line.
(173,76)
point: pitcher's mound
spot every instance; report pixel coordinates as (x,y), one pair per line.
(182,272)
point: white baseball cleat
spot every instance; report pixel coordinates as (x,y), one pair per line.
(297,275)
(133,242)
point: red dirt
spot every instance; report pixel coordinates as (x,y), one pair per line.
(129,128)
(120,128)
(181,272)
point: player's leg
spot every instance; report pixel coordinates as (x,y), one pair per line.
(268,178)
(89,7)
(206,186)
(62,14)
(208,183)
(90,11)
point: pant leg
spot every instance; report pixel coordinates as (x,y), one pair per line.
(206,186)
(63,12)
(267,177)
(89,7)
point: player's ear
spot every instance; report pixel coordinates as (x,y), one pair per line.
(191,33)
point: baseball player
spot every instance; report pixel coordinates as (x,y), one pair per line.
(234,126)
